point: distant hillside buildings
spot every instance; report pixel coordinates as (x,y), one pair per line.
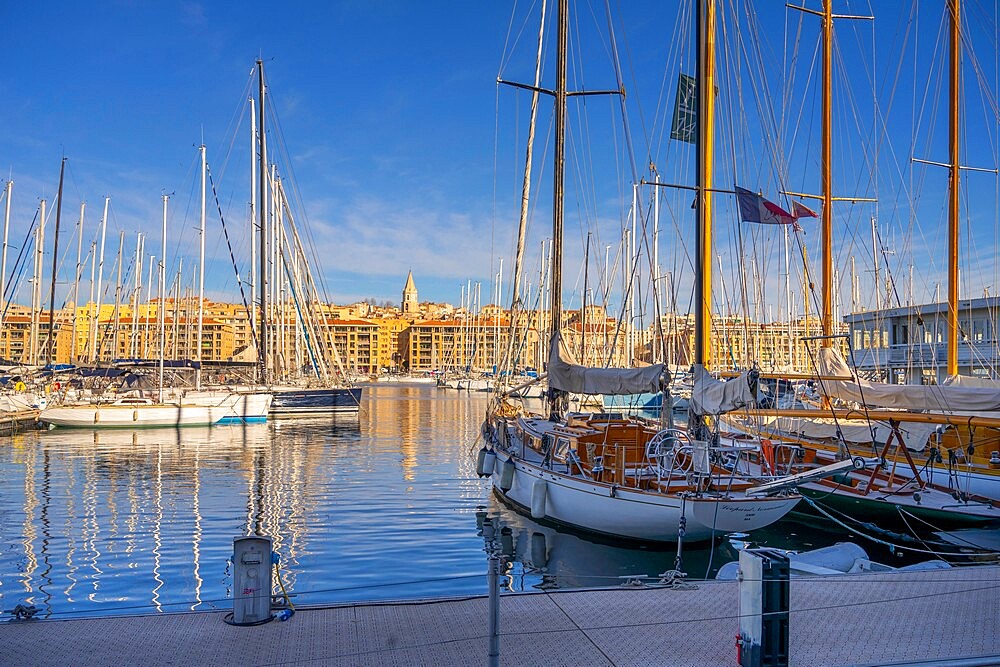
(369,339)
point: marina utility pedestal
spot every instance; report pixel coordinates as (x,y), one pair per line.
(251,580)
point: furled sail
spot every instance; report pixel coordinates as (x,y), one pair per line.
(955,395)
(566,375)
(710,396)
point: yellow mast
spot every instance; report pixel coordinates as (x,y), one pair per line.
(706,128)
(955,90)
(826,175)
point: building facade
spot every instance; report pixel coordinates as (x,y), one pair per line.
(909,344)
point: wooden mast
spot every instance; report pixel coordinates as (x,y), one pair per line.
(826,230)
(953,182)
(706,118)
(560,166)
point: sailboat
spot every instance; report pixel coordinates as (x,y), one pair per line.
(170,407)
(604,473)
(289,400)
(929,465)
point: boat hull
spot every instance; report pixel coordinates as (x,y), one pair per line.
(125,416)
(312,402)
(614,511)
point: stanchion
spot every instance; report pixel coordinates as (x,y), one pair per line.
(496,560)
(494,624)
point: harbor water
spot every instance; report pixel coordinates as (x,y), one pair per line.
(383,505)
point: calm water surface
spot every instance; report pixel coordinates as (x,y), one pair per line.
(383,506)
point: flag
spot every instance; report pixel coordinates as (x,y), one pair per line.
(754,208)
(685,123)
(800,210)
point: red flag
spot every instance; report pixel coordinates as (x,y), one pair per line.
(800,210)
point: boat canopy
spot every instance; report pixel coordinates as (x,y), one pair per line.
(567,375)
(954,395)
(710,396)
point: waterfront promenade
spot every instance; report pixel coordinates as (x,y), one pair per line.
(872,619)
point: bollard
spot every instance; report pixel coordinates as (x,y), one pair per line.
(764,588)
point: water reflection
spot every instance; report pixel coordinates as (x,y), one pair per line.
(544,556)
(380,506)
(104,521)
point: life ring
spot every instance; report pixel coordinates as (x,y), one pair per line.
(20,387)
(57,386)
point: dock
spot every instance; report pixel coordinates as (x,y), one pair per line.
(950,615)
(18,421)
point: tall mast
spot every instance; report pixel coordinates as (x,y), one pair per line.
(93,281)
(94,352)
(253,204)
(133,346)
(953,182)
(560,166)
(36,289)
(50,343)
(706,120)
(160,314)
(201,269)
(118,295)
(826,229)
(526,184)
(8,190)
(262,212)
(76,280)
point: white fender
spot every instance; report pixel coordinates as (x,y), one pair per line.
(539,491)
(486,463)
(507,475)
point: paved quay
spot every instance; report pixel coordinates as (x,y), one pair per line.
(873,619)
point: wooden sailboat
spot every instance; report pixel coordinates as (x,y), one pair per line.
(927,466)
(604,473)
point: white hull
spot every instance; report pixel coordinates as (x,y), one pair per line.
(634,514)
(198,409)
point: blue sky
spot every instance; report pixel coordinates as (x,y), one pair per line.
(406,155)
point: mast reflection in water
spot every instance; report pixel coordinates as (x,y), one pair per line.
(382,505)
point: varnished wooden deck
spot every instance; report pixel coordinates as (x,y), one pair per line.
(848,620)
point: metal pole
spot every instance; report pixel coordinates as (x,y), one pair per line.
(201,270)
(494,622)
(262,212)
(76,281)
(160,315)
(94,352)
(3,262)
(50,342)
(36,291)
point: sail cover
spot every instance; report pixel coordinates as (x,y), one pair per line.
(715,397)
(953,396)
(565,374)
(915,435)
